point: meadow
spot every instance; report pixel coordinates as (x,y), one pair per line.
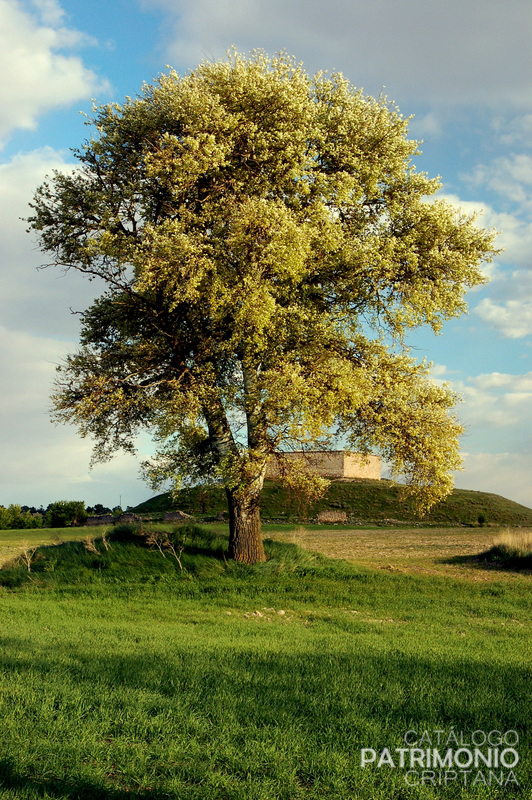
(126,673)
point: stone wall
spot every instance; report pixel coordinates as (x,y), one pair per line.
(334,464)
(176,516)
(100,519)
(332,516)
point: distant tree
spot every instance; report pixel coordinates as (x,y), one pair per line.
(266,244)
(64,513)
(98,508)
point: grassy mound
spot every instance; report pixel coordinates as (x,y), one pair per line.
(133,554)
(363,501)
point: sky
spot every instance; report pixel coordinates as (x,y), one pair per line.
(462,70)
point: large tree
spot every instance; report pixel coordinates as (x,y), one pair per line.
(266,245)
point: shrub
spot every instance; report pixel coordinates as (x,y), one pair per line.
(511,549)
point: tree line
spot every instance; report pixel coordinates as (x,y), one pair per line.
(59,514)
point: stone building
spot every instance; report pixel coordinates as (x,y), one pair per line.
(334,464)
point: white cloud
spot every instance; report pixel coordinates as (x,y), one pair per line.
(50,12)
(497,445)
(491,400)
(451,52)
(516,130)
(515,234)
(509,176)
(41,462)
(496,380)
(503,473)
(36,75)
(427,125)
(508,306)
(34,300)
(513,318)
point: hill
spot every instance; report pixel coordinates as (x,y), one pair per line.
(364,501)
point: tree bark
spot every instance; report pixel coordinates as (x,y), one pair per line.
(245,534)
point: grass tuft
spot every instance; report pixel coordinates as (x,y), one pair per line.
(512,549)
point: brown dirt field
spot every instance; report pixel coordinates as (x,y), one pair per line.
(415,550)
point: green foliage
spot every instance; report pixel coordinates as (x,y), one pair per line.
(267,245)
(14,517)
(64,513)
(97,509)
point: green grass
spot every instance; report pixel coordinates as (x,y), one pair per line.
(124,676)
(362,500)
(15,540)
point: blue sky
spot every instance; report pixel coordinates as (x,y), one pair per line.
(463,69)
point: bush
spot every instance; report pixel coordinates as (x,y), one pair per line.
(126,533)
(511,549)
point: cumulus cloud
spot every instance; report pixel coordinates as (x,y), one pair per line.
(37,74)
(497,445)
(514,233)
(491,400)
(513,131)
(50,12)
(41,462)
(34,300)
(509,176)
(508,306)
(438,53)
(498,380)
(513,318)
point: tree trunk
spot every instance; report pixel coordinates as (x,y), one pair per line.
(245,534)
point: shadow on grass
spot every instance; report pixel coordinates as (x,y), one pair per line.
(494,559)
(324,701)
(69,787)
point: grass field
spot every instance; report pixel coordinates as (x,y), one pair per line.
(12,542)
(124,676)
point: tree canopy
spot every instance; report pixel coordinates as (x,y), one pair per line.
(266,244)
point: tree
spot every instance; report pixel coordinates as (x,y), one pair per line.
(266,245)
(98,509)
(64,513)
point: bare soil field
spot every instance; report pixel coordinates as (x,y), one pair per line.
(437,551)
